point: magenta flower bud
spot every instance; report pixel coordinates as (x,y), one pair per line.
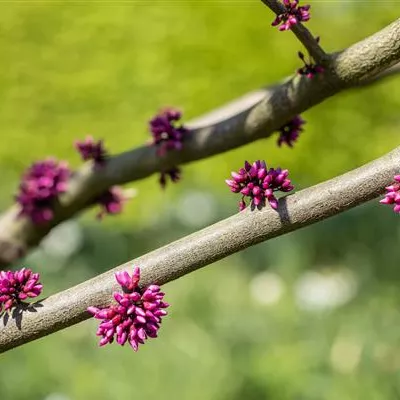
(135,317)
(124,279)
(122,300)
(150,327)
(104,341)
(257,201)
(279,179)
(140,312)
(131,309)
(18,286)
(134,344)
(154,288)
(268,192)
(140,320)
(273,203)
(104,314)
(392,195)
(106,326)
(245,191)
(287,187)
(260,183)
(135,296)
(256,191)
(141,333)
(149,306)
(232,184)
(253,171)
(136,275)
(160,313)
(238,178)
(122,339)
(118,296)
(262,173)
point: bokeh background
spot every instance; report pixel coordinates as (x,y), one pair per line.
(311,315)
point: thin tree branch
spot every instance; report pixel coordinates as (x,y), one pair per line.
(302,34)
(211,244)
(251,118)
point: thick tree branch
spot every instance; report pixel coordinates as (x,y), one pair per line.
(205,247)
(364,60)
(302,34)
(387,73)
(253,117)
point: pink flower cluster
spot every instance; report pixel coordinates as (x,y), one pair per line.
(89,149)
(290,132)
(392,195)
(292,15)
(41,184)
(16,286)
(259,183)
(111,201)
(167,135)
(136,316)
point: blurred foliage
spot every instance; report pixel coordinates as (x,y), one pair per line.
(311,315)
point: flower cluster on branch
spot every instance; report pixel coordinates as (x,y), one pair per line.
(40,187)
(17,286)
(259,183)
(111,202)
(135,317)
(167,135)
(89,149)
(292,15)
(289,133)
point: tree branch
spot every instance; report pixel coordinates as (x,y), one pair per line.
(387,73)
(251,118)
(302,34)
(211,244)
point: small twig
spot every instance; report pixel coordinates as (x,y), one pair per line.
(302,34)
(202,248)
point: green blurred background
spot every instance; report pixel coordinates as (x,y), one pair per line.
(311,315)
